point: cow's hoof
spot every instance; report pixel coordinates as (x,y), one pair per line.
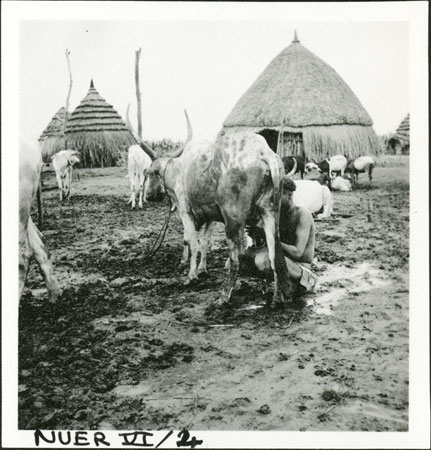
(221,303)
(190,282)
(203,275)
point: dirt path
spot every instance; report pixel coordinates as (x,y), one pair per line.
(128,347)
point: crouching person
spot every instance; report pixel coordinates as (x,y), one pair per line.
(297,235)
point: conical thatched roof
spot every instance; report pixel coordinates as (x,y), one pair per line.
(52,138)
(403,131)
(97,131)
(304,94)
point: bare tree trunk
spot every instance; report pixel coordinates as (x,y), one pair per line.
(138,93)
(68,95)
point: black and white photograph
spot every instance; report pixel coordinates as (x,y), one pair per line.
(215,219)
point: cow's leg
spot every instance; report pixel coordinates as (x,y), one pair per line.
(141,191)
(370,173)
(133,189)
(24,256)
(185,255)
(144,188)
(69,182)
(234,239)
(40,252)
(191,238)
(276,258)
(203,248)
(60,184)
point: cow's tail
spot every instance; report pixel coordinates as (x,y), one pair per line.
(39,205)
(280,263)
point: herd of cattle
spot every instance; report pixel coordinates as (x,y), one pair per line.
(236,180)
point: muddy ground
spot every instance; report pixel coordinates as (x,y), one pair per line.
(128,347)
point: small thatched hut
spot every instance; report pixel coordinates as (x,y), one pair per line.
(52,138)
(318,113)
(97,131)
(399,143)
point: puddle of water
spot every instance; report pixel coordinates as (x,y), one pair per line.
(127,390)
(251,307)
(108,322)
(361,278)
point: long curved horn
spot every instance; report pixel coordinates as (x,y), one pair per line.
(147,149)
(292,172)
(189,128)
(178,152)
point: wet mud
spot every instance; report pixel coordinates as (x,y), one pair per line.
(127,346)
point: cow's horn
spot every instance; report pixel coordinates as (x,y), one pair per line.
(292,172)
(189,128)
(147,149)
(178,152)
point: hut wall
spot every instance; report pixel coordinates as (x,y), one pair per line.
(327,140)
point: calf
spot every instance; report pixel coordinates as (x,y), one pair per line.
(289,164)
(335,164)
(138,164)
(30,238)
(360,165)
(341,184)
(63,163)
(236,179)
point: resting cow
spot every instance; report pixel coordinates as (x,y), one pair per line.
(314,196)
(30,238)
(360,165)
(341,184)
(236,179)
(138,164)
(63,163)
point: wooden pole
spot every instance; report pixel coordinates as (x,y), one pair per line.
(68,96)
(370,210)
(138,93)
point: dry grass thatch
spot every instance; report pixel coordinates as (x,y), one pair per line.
(403,131)
(52,138)
(97,131)
(320,142)
(304,94)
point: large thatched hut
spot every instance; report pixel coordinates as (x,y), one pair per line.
(52,138)
(318,113)
(399,143)
(97,131)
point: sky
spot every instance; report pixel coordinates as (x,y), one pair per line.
(203,66)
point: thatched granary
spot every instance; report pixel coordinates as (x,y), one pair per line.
(97,131)
(399,143)
(319,114)
(52,138)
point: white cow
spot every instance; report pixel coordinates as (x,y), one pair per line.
(63,163)
(361,165)
(30,238)
(336,163)
(138,164)
(340,184)
(314,196)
